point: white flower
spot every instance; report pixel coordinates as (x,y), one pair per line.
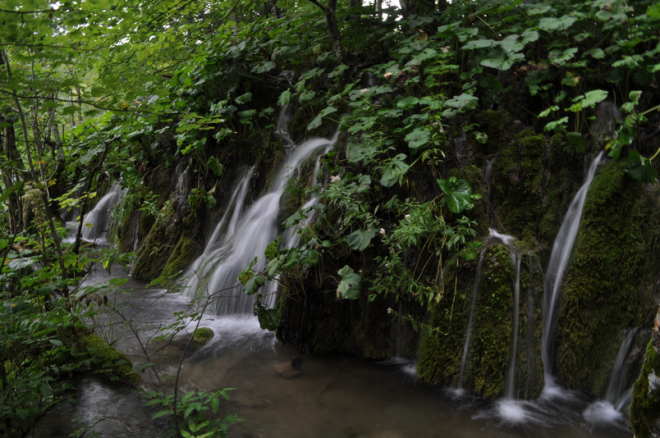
(335,179)
(364,90)
(382,231)
(388,75)
(387,265)
(389,310)
(407,216)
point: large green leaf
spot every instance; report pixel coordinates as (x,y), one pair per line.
(464,101)
(458,194)
(419,137)
(394,171)
(360,239)
(269,319)
(556,24)
(349,287)
(641,168)
(319,118)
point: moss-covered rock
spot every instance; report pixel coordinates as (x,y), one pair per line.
(182,254)
(645,405)
(202,335)
(158,246)
(108,360)
(610,285)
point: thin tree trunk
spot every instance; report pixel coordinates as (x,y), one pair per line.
(333,29)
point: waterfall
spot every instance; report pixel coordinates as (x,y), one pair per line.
(559,256)
(616,397)
(200,268)
(247,237)
(509,384)
(97,221)
(468,334)
(615,388)
(529,332)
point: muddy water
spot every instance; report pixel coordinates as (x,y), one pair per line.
(334,395)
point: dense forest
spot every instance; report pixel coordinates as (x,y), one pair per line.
(456,137)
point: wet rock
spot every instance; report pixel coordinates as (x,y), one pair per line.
(286,370)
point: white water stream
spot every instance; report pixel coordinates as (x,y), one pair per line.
(559,257)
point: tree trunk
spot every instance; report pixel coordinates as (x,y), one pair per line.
(333,29)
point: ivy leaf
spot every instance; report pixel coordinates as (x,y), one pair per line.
(263,67)
(561,57)
(359,240)
(349,287)
(269,319)
(419,137)
(394,171)
(407,102)
(640,168)
(577,141)
(215,166)
(319,118)
(556,24)
(458,194)
(464,101)
(356,152)
(284,98)
(21,263)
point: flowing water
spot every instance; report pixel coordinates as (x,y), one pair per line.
(256,228)
(335,396)
(468,333)
(510,381)
(97,221)
(561,252)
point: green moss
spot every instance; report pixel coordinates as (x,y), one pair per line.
(608,287)
(110,361)
(184,252)
(500,128)
(158,246)
(202,335)
(645,406)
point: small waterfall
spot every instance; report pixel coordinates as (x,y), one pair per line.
(468,334)
(97,221)
(255,229)
(529,332)
(559,257)
(205,263)
(487,173)
(509,384)
(617,397)
(282,129)
(616,386)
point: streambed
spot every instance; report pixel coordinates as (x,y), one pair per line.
(334,396)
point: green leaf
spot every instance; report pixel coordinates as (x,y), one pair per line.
(319,118)
(349,287)
(556,24)
(273,249)
(407,102)
(561,57)
(653,11)
(595,53)
(307,96)
(640,168)
(356,152)
(577,141)
(359,240)
(284,98)
(215,166)
(458,194)
(464,101)
(394,171)
(263,67)
(556,124)
(269,319)
(480,44)
(21,263)
(419,137)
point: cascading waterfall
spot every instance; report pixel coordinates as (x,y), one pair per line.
(509,383)
(212,255)
(97,221)
(256,228)
(559,257)
(529,332)
(468,334)
(616,397)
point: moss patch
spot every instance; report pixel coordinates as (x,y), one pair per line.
(184,252)
(202,335)
(609,285)
(109,361)
(645,406)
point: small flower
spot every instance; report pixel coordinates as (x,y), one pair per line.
(407,216)
(360,271)
(364,90)
(382,231)
(335,179)
(389,310)
(388,75)
(387,265)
